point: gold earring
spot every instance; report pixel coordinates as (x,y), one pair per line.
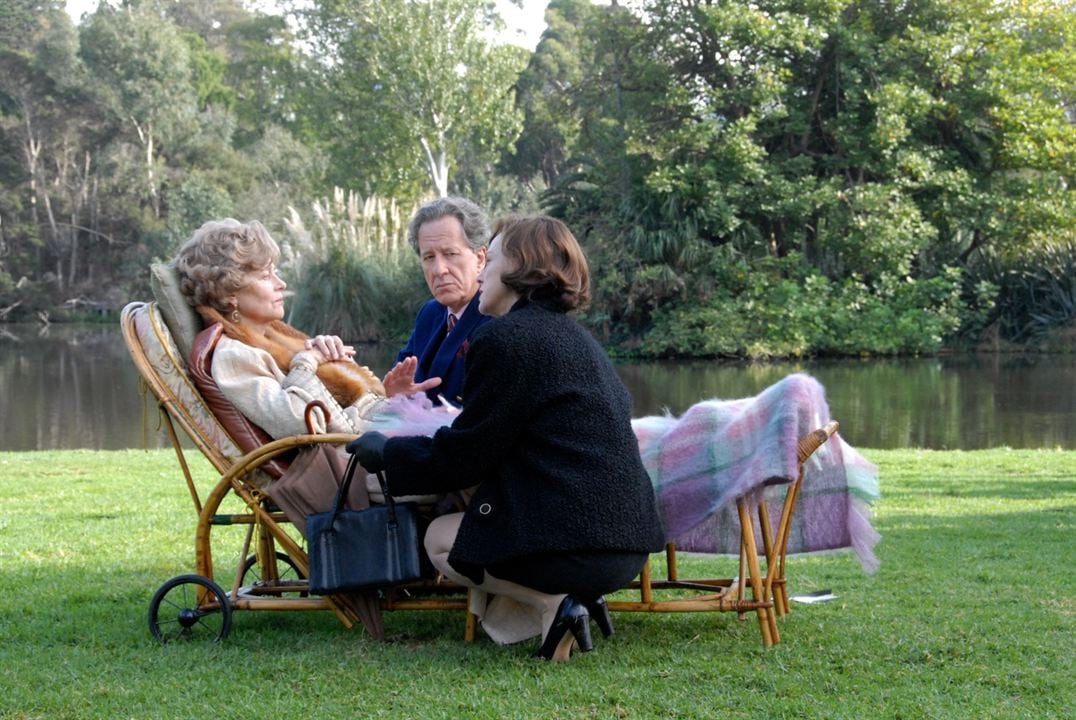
(235,315)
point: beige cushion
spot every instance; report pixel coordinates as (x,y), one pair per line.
(162,356)
(182,321)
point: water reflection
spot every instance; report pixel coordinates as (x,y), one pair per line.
(965,401)
(75,387)
(67,387)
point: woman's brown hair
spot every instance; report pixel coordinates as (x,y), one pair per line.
(214,263)
(550,266)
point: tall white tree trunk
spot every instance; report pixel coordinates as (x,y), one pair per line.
(145,136)
(32,151)
(54,235)
(437,167)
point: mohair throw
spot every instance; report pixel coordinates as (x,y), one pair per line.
(719,450)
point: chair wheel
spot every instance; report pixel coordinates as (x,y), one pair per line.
(190,607)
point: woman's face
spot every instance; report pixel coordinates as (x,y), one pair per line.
(496,298)
(262,298)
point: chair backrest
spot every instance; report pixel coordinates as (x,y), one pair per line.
(158,360)
(246,434)
(181,319)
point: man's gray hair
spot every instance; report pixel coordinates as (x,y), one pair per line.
(474,221)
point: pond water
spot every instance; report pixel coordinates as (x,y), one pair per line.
(74,386)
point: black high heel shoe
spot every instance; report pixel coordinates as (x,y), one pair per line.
(572,623)
(599,611)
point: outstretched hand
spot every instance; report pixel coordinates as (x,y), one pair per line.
(401,379)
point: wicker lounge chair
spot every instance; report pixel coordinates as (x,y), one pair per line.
(270,575)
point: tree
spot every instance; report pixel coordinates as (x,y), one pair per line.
(243,60)
(140,65)
(120,136)
(42,79)
(885,145)
(406,83)
(549,91)
(270,79)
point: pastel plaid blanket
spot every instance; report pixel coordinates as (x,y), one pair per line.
(719,450)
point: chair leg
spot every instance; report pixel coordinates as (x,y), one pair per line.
(471,628)
(766,530)
(741,584)
(780,593)
(766,625)
(646,592)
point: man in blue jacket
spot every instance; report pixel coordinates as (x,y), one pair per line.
(450,236)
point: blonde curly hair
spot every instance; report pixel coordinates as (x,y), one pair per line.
(214,263)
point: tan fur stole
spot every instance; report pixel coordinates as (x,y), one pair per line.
(345,381)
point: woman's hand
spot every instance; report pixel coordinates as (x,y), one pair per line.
(330,347)
(401,379)
(369,450)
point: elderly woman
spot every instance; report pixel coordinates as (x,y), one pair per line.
(267,369)
(564,512)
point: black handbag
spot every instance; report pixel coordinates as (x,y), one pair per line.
(358,549)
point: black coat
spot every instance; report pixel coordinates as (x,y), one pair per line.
(546,432)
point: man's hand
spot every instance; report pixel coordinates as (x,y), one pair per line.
(401,379)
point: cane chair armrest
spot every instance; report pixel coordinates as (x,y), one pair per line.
(260,455)
(815,439)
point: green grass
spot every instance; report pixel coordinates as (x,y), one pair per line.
(970,616)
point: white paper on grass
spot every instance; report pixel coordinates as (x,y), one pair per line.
(819,596)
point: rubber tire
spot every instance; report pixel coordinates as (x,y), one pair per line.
(191,622)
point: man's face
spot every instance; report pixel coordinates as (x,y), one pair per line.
(451,267)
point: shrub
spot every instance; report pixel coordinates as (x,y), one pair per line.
(1036,291)
(803,313)
(353,272)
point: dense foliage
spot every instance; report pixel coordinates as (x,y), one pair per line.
(120,136)
(774,177)
(783,177)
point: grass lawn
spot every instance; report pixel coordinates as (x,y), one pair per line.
(970,616)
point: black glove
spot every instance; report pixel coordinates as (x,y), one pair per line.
(369,449)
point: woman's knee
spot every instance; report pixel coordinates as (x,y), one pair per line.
(441,534)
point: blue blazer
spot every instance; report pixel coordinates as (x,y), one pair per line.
(441,356)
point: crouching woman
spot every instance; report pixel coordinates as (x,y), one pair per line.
(564,512)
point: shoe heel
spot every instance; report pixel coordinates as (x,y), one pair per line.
(599,610)
(570,627)
(581,632)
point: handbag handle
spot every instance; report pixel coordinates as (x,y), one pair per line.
(341,494)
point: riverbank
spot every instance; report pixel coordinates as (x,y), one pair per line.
(957,622)
(76,387)
(1061,341)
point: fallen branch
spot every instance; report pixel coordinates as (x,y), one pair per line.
(4,312)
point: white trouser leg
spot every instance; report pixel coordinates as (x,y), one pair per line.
(516,613)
